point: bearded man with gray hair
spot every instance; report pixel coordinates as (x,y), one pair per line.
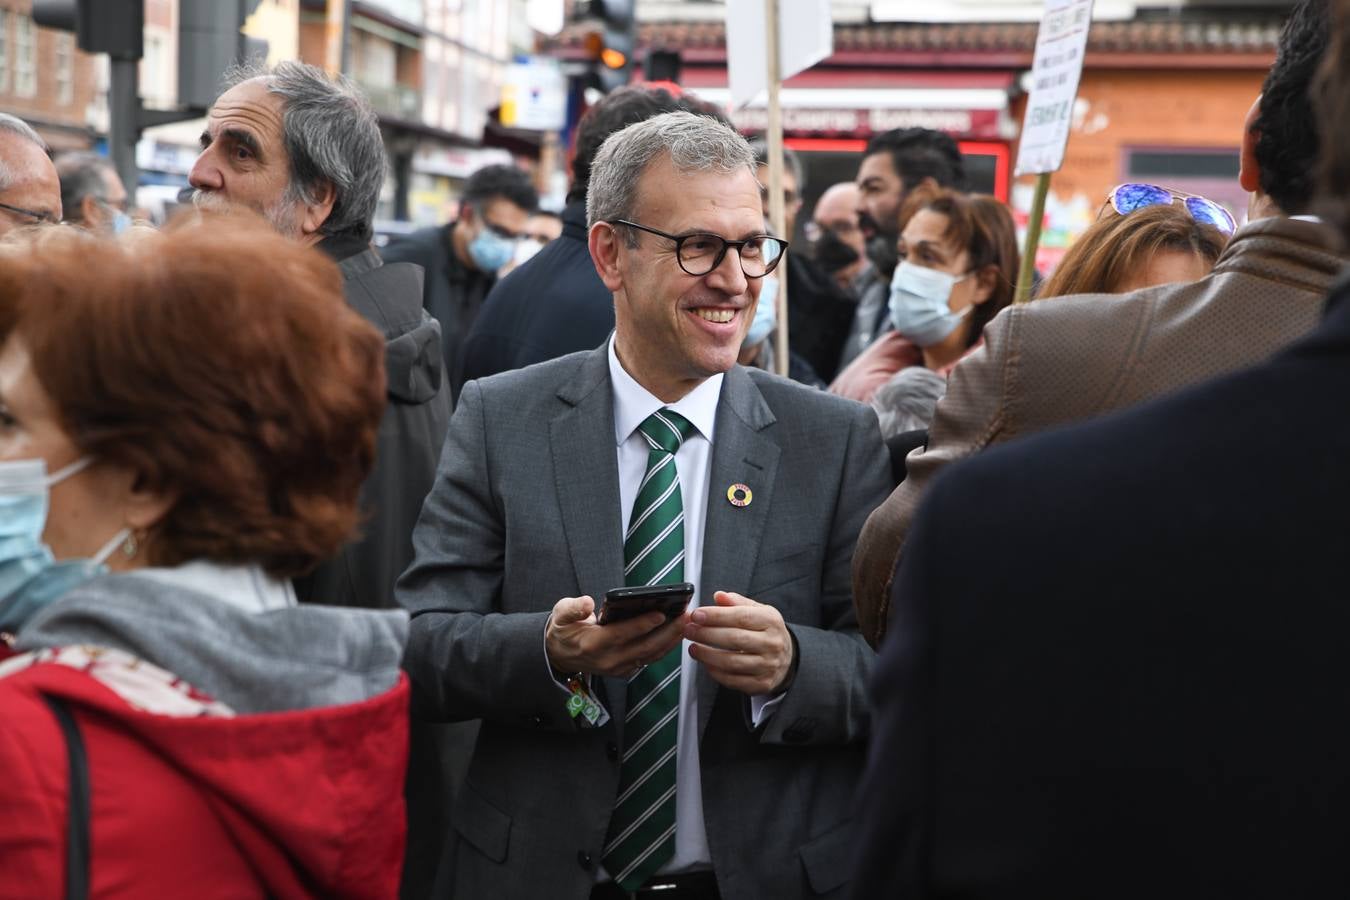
(707,751)
(304,151)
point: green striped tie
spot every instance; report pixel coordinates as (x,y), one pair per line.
(642,830)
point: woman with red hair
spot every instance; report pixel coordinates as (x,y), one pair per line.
(185,422)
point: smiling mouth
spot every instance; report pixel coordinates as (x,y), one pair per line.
(720,316)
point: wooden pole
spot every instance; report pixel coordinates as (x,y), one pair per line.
(777,211)
(1028,268)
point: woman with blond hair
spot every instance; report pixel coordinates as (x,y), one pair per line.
(1145,236)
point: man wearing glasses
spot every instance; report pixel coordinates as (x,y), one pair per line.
(712,753)
(30,191)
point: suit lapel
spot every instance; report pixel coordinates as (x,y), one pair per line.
(586,469)
(741,454)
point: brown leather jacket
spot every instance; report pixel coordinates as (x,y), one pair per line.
(1067,359)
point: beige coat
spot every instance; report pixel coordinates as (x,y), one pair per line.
(1068,359)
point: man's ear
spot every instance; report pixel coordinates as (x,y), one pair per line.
(316,213)
(603,240)
(91,214)
(1249,171)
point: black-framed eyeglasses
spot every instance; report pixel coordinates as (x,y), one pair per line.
(41,217)
(699,253)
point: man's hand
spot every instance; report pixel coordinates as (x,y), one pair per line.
(744,645)
(575,642)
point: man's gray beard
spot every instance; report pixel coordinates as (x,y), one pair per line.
(281,215)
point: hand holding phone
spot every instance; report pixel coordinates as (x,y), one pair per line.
(625,603)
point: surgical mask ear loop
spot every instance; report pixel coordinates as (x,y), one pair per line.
(125,538)
(69,470)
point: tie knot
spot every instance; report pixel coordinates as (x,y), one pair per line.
(665,430)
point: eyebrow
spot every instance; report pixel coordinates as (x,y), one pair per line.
(238,136)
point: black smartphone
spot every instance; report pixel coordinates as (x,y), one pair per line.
(627,602)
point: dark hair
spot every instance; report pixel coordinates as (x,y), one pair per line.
(1114,246)
(1331,97)
(793,162)
(508,182)
(331,136)
(919,153)
(1286,128)
(983,227)
(219,384)
(620,108)
(82,175)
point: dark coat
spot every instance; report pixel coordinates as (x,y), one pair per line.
(1138,689)
(453,293)
(410,436)
(551,305)
(820,315)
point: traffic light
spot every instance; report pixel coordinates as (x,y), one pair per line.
(113,27)
(611,47)
(209,42)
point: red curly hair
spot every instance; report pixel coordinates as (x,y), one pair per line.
(220,363)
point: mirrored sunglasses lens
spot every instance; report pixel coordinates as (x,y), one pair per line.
(1129,197)
(1210,213)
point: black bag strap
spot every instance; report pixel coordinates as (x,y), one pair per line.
(77,826)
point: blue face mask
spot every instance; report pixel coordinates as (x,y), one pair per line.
(491,251)
(30,577)
(920,304)
(766,314)
(120,221)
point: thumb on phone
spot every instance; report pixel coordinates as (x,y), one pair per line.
(570,610)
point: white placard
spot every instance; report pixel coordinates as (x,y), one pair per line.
(806,36)
(1060,45)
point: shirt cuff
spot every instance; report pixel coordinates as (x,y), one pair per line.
(552,672)
(762,706)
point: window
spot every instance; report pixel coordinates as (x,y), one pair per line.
(25,57)
(1183,164)
(65,69)
(4,51)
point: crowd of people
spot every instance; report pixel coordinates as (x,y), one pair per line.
(498,563)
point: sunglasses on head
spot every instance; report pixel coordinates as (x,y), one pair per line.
(1126,198)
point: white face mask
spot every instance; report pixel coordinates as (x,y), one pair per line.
(526,248)
(920,303)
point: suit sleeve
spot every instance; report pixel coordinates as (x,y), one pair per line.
(826,703)
(970,416)
(465,658)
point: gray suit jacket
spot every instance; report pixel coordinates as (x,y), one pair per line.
(1065,359)
(525,510)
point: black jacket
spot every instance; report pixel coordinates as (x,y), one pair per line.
(411,432)
(551,305)
(452,292)
(1118,662)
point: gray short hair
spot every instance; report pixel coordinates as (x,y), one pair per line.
(82,175)
(693,144)
(15,125)
(331,135)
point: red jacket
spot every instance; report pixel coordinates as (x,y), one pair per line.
(198,802)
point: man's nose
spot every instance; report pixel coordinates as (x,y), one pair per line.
(728,276)
(205,176)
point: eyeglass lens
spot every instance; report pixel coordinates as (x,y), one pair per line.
(1210,213)
(701,253)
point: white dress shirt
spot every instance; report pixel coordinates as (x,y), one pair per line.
(632,405)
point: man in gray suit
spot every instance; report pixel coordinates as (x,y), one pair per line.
(711,755)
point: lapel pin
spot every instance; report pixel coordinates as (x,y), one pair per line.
(739,495)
